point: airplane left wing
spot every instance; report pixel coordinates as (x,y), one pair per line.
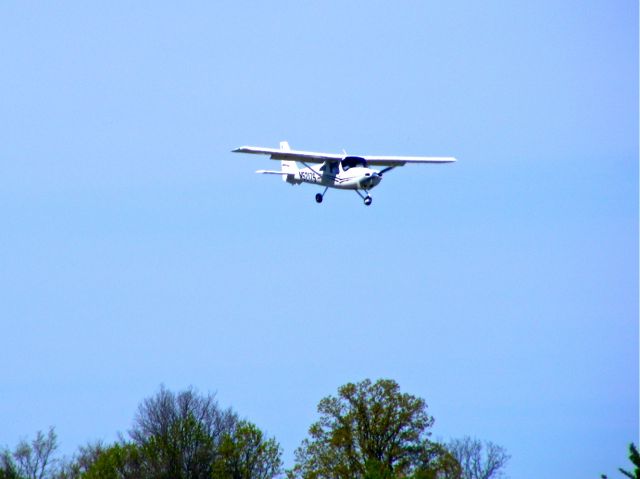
(290,155)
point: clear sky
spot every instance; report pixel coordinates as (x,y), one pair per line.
(136,250)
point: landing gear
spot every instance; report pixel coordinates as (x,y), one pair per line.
(320,196)
(367,199)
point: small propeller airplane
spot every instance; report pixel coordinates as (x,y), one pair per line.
(335,170)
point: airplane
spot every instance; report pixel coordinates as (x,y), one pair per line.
(341,171)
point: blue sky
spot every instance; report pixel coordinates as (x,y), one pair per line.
(136,250)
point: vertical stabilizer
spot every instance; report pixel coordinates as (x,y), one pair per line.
(289,167)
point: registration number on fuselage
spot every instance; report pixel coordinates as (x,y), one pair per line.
(309,176)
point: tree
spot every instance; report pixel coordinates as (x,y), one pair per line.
(438,463)
(187,436)
(479,460)
(31,460)
(634,457)
(246,454)
(370,430)
(179,434)
(81,462)
(8,468)
(119,461)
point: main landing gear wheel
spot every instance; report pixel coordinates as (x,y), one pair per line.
(320,196)
(368,200)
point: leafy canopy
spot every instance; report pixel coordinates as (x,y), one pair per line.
(369,430)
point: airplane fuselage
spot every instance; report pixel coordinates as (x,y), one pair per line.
(356,178)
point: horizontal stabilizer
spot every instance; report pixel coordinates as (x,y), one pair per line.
(271,172)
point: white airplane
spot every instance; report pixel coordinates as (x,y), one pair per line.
(340,171)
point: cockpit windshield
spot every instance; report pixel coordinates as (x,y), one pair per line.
(352,162)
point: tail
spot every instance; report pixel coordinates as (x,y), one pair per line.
(289,168)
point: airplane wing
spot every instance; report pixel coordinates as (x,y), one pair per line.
(313,157)
(403,160)
(291,155)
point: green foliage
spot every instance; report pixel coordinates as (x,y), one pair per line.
(370,430)
(634,457)
(178,435)
(244,453)
(367,431)
(185,450)
(31,459)
(120,461)
(8,468)
(186,436)
(437,462)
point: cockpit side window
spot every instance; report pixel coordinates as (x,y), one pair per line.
(331,168)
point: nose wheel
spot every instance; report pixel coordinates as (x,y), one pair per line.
(367,199)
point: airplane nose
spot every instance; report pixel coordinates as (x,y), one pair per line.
(370,180)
